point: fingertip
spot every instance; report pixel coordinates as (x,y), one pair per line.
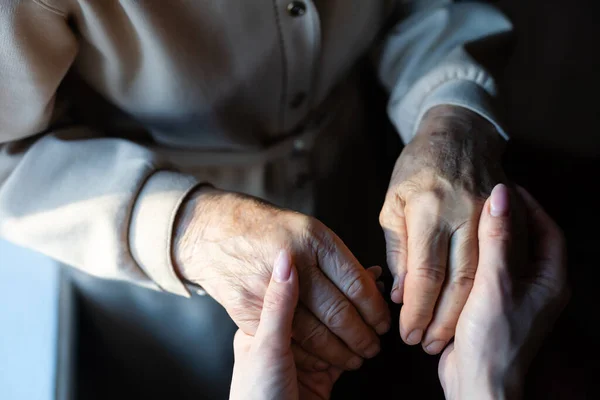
(410,332)
(354,363)
(396,297)
(397,292)
(375,272)
(383,327)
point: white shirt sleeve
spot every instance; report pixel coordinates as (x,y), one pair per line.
(424,63)
(104,205)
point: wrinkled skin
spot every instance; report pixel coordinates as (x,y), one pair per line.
(226,243)
(430,219)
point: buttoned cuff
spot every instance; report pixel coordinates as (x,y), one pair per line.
(152,224)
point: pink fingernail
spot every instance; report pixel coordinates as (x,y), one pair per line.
(500,201)
(283,267)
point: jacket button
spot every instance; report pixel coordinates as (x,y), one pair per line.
(296,8)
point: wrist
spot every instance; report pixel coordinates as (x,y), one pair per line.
(457,123)
(189,224)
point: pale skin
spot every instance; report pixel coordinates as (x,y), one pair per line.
(264,363)
(516,295)
(226,242)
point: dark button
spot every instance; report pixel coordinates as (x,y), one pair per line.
(298,100)
(296,8)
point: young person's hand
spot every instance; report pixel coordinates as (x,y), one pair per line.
(516,297)
(264,363)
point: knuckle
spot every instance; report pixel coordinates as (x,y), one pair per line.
(361,342)
(316,337)
(464,277)
(336,314)
(319,237)
(383,217)
(443,331)
(418,318)
(431,273)
(356,287)
(463,281)
(391,211)
(396,251)
(304,224)
(274,300)
(430,197)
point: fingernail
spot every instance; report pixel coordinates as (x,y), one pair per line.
(435,347)
(414,337)
(500,201)
(373,350)
(382,327)
(283,267)
(354,363)
(321,365)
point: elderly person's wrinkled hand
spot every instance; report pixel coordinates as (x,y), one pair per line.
(430,219)
(517,295)
(226,243)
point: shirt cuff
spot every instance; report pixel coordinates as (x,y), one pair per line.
(152,224)
(465,94)
(459,92)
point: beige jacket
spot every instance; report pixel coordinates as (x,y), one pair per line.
(103,101)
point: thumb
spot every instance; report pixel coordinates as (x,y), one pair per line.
(495,230)
(281,298)
(393,223)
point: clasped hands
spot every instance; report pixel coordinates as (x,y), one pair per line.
(227,243)
(516,295)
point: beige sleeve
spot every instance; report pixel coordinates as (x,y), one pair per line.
(106,206)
